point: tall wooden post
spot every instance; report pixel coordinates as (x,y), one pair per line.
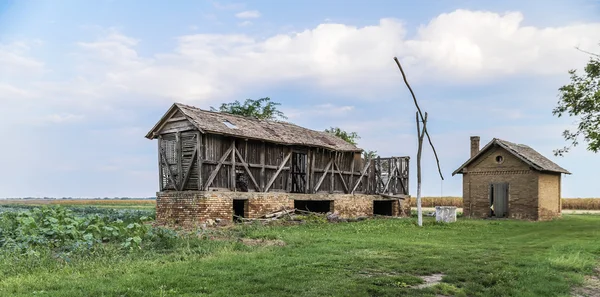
(178,145)
(420,135)
(233,185)
(262,168)
(160,166)
(200,159)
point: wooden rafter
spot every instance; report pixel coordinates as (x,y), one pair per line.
(245,165)
(214,173)
(276,174)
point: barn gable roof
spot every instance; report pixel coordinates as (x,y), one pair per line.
(253,128)
(521,151)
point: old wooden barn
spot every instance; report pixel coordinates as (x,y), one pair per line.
(217,165)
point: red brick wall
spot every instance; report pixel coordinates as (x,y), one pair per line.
(195,207)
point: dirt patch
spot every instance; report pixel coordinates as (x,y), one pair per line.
(262,242)
(430,281)
(591,286)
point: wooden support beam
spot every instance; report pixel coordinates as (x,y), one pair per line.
(200,148)
(272,180)
(164,159)
(188,172)
(341,177)
(312,171)
(351,180)
(176,119)
(308,173)
(160,167)
(318,185)
(288,184)
(233,185)
(179,159)
(247,170)
(331,179)
(262,168)
(362,174)
(389,180)
(214,173)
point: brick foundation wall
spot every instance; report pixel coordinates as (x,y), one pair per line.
(195,207)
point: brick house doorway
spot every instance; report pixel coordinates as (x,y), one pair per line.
(498,200)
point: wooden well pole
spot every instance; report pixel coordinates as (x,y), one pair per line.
(420,135)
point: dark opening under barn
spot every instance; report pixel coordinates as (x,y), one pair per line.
(383,208)
(240,207)
(321,206)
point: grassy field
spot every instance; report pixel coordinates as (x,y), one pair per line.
(376,257)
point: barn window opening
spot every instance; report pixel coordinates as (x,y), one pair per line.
(383,208)
(240,209)
(499,159)
(229,124)
(320,206)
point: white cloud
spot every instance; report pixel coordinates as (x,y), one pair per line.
(245,24)
(248,14)
(15,60)
(63,118)
(459,47)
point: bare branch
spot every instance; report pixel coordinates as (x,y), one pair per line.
(589,53)
(421,114)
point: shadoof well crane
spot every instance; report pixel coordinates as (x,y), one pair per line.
(421,132)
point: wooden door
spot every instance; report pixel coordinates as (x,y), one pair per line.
(499,199)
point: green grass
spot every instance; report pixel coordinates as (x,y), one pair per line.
(379,257)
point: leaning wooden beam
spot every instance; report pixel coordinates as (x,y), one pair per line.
(247,170)
(214,173)
(276,174)
(164,159)
(387,184)
(362,174)
(393,196)
(188,172)
(318,185)
(341,177)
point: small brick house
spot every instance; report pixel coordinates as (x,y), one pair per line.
(506,179)
(215,165)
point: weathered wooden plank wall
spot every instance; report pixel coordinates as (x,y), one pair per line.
(190,160)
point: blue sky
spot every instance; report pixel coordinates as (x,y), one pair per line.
(81,82)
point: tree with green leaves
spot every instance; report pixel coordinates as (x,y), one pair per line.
(262,108)
(581,99)
(367,155)
(350,137)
